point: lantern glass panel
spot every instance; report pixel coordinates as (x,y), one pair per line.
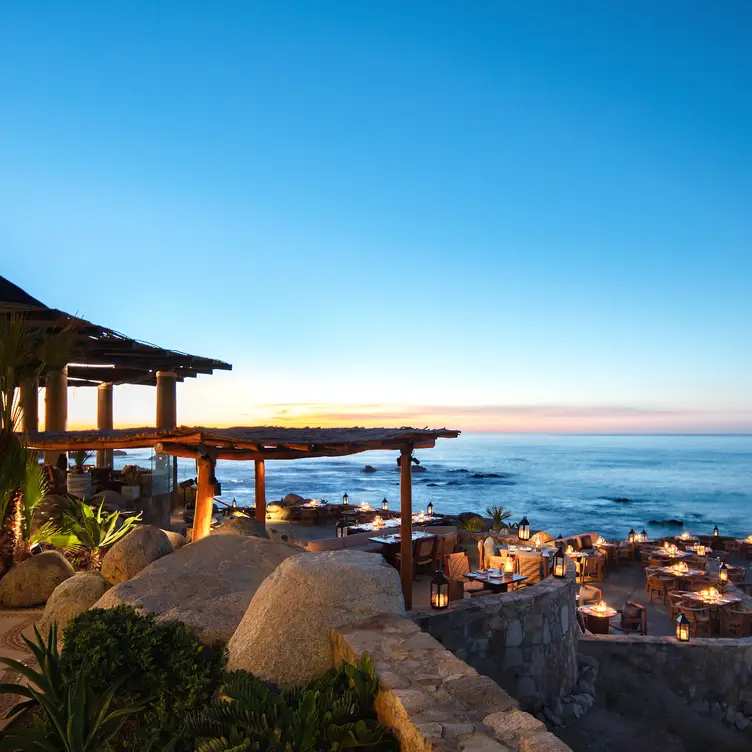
(439,591)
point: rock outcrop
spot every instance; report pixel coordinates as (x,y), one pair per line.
(177,540)
(33,581)
(207,585)
(71,598)
(285,635)
(135,552)
(242,526)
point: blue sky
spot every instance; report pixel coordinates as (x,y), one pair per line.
(493,215)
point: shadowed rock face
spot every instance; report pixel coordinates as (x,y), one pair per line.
(285,635)
(71,598)
(242,526)
(33,581)
(207,584)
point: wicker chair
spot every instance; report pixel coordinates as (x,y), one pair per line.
(732,547)
(634,618)
(649,572)
(661,586)
(481,555)
(424,554)
(735,622)
(699,620)
(626,551)
(590,594)
(737,574)
(531,567)
(593,568)
(448,544)
(675,601)
(456,566)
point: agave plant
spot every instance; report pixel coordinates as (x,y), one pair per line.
(94,529)
(473,525)
(498,514)
(73,718)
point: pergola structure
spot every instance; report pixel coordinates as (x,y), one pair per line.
(261,443)
(101,358)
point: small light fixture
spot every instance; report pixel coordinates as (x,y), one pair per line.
(342,529)
(682,628)
(36,549)
(523,530)
(384,505)
(234,504)
(715,531)
(439,591)
(644,535)
(345,499)
(700,550)
(509,565)
(429,509)
(722,576)
(559,563)
(631,536)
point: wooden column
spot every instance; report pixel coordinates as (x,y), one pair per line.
(260,489)
(167,412)
(204,500)
(406,529)
(55,406)
(104,421)
(30,405)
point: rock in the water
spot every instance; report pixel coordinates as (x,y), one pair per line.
(419,469)
(176,539)
(369,469)
(667,523)
(621,500)
(71,598)
(137,550)
(242,526)
(206,585)
(284,636)
(33,581)
(291,500)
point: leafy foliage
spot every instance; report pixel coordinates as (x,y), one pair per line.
(473,525)
(164,661)
(12,469)
(498,514)
(335,712)
(73,717)
(80,457)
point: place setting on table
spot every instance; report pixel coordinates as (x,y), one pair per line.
(495,580)
(712,598)
(395,538)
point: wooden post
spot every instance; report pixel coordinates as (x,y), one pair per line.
(104,421)
(260,489)
(55,405)
(167,412)
(406,528)
(30,405)
(204,500)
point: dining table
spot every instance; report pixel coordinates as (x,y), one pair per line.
(395,538)
(597,619)
(713,602)
(495,580)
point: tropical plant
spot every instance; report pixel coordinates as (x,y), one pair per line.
(80,457)
(162,660)
(498,514)
(33,489)
(335,712)
(73,717)
(473,525)
(131,474)
(94,529)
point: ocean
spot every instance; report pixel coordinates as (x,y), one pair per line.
(562,483)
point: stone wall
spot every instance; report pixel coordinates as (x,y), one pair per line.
(526,640)
(434,701)
(714,676)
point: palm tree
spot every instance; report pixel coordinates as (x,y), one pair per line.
(498,514)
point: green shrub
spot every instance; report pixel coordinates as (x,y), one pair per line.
(163,662)
(335,712)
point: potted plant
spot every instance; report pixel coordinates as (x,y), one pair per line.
(131,489)
(498,514)
(78,481)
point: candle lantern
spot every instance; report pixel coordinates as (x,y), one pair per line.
(644,535)
(715,531)
(631,536)
(559,563)
(342,529)
(384,505)
(429,509)
(345,499)
(722,575)
(509,565)
(523,530)
(682,628)
(439,591)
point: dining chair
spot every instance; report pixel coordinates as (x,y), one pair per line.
(634,619)
(735,622)
(699,620)
(481,555)
(660,586)
(732,547)
(676,598)
(456,566)
(590,594)
(497,562)
(424,554)
(737,574)
(531,567)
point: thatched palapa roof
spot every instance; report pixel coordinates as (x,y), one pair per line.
(245,442)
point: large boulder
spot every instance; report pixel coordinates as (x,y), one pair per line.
(71,598)
(133,553)
(33,581)
(242,526)
(176,539)
(291,500)
(207,585)
(277,512)
(285,635)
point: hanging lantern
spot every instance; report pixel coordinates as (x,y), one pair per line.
(682,628)
(345,499)
(631,536)
(523,530)
(384,505)
(509,565)
(715,531)
(722,575)
(429,509)
(644,535)
(700,550)
(342,529)
(559,562)
(439,591)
